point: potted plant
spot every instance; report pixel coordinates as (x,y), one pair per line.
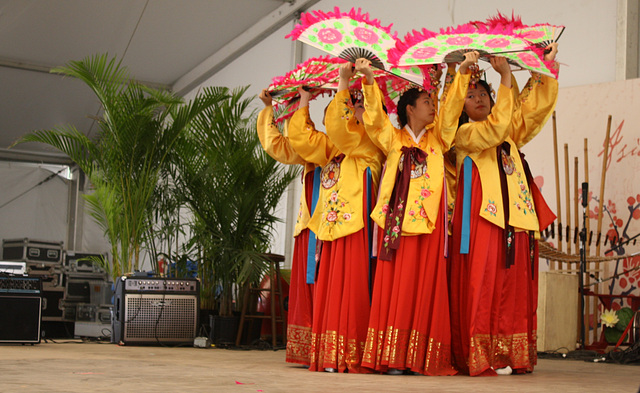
(232,188)
(137,131)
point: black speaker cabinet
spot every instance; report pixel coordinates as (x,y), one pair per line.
(149,311)
(20,309)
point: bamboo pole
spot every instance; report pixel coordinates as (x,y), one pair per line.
(567,194)
(605,158)
(558,203)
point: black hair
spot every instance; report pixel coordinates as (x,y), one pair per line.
(409,97)
(464,118)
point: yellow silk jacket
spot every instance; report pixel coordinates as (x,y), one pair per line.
(278,147)
(427,180)
(340,210)
(515,119)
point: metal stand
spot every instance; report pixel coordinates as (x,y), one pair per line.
(583,261)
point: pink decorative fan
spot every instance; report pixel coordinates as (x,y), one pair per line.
(319,75)
(542,34)
(450,45)
(352,35)
(539,35)
(313,73)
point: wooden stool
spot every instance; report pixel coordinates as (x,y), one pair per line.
(275,291)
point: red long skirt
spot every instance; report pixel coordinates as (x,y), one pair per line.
(300,312)
(300,304)
(341,305)
(409,326)
(493,308)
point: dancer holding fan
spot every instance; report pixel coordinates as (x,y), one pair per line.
(498,211)
(300,288)
(351,169)
(409,325)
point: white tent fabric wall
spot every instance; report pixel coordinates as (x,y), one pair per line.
(38,213)
(32,210)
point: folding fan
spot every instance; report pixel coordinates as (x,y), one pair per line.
(313,73)
(541,35)
(450,45)
(353,35)
(319,75)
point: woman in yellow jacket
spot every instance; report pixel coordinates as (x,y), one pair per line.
(302,272)
(350,172)
(497,213)
(409,325)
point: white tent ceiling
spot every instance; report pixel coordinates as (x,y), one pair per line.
(169,43)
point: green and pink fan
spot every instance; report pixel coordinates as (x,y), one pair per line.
(353,35)
(316,73)
(319,75)
(542,34)
(426,47)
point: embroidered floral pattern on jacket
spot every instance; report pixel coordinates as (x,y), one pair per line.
(347,109)
(336,210)
(418,213)
(491,208)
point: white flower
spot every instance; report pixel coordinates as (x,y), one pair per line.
(609,318)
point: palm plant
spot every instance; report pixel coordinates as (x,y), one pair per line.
(232,188)
(138,129)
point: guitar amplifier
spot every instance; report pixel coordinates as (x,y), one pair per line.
(20,309)
(154,310)
(34,251)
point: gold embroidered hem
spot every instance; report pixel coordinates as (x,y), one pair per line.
(298,344)
(517,351)
(330,350)
(407,349)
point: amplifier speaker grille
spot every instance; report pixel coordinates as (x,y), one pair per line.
(20,319)
(157,317)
